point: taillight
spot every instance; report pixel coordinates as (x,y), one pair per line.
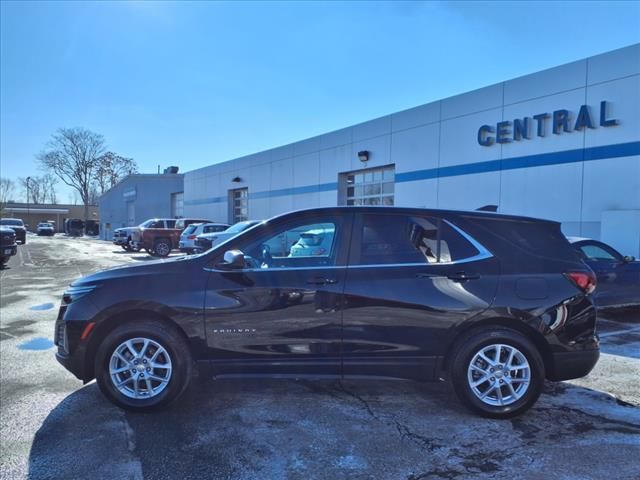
(191,237)
(586,281)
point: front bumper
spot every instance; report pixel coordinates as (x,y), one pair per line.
(574,364)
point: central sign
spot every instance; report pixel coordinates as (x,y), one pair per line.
(520,128)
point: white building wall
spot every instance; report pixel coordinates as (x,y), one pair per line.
(439,163)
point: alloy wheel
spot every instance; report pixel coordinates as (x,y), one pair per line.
(140,368)
(499,374)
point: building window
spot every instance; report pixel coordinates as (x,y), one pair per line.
(238,205)
(374,186)
(177,205)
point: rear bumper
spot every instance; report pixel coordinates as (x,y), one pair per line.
(67,361)
(576,364)
(8,250)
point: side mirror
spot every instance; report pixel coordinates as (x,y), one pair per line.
(629,258)
(233,260)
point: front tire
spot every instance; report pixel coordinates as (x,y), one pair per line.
(497,373)
(143,366)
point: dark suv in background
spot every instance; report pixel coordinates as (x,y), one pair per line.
(18,227)
(493,303)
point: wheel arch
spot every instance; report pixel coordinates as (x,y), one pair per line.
(508,323)
(107,325)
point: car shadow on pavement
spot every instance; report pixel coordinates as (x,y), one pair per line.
(332,429)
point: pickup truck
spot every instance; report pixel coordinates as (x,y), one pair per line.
(159,236)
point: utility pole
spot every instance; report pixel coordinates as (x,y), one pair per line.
(28,209)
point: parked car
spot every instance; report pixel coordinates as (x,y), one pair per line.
(74,227)
(92,227)
(18,227)
(188,236)
(205,241)
(494,303)
(8,246)
(160,236)
(618,275)
(45,229)
(123,238)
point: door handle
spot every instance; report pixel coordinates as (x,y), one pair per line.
(427,275)
(321,281)
(463,276)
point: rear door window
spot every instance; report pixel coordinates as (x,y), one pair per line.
(171,224)
(387,239)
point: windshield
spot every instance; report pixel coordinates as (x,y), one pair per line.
(11,221)
(190,229)
(44,225)
(149,223)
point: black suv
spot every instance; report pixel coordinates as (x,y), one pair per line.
(18,226)
(8,246)
(494,303)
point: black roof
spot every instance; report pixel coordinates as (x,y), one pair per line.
(418,211)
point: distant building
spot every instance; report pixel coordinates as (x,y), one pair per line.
(34,213)
(139,197)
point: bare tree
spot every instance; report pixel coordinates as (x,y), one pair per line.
(72,155)
(48,184)
(7,190)
(32,189)
(111,169)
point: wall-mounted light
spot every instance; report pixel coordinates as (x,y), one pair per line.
(363,155)
(236,179)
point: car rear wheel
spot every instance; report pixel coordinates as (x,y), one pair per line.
(497,373)
(143,366)
(162,247)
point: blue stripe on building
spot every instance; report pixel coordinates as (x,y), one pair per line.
(529,161)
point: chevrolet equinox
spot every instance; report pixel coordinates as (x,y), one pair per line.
(494,303)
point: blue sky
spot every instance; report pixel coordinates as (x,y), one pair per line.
(192,84)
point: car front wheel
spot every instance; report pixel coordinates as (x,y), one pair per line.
(143,366)
(497,373)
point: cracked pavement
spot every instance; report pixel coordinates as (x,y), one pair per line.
(53,427)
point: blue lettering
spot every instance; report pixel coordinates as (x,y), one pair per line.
(484,138)
(584,118)
(521,128)
(503,132)
(560,120)
(540,118)
(603,116)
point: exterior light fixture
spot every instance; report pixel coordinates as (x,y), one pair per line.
(236,179)
(363,155)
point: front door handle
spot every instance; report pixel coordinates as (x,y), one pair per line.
(463,276)
(321,281)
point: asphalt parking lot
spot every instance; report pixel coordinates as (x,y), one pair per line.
(53,427)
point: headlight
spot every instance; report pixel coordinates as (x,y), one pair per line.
(74,293)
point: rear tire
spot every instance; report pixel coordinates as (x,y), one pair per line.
(162,247)
(497,373)
(141,382)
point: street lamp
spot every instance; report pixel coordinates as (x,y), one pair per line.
(28,209)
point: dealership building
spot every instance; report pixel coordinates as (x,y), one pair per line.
(139,197)
(562,144)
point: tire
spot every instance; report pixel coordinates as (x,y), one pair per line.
(162,247)
(526,377)
(126,248)
(175,379)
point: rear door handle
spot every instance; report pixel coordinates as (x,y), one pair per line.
(463,276)
(321,281)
